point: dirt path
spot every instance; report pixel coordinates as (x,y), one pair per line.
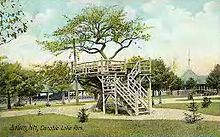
(157,113)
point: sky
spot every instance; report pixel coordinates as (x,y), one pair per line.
(178,26)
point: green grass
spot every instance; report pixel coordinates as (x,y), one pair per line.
(41,105)
(98,127)
(200,99)
(213,109)
(168,96)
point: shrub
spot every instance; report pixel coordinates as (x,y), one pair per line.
(48,104)
(39,112)
(190,95)
(82,115)
(206,102)
(193,116)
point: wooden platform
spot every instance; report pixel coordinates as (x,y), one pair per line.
(107,67)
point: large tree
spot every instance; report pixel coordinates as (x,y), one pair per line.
(96,28)
(213,79)
(12,21)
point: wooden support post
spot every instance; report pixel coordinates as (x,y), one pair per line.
(103,96)
(150,92)
(116,100)
(136,102)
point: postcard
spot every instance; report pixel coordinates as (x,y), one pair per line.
(148,68)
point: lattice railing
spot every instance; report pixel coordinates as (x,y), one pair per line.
(101,66)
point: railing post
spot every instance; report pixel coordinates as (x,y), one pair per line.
(125,66)
(101,65)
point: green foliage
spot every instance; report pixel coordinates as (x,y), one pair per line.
(57,76)
(176,84)
(12,21)
(14,80)
(82,115)
(193,116)
(190,83)
(96,28)
(206,102)
(213,80)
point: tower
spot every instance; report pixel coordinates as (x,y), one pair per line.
(189,59)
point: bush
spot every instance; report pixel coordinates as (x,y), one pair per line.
(190,96)
(82,115)
(206,102)
(48,104)
(193,116)
(39,112)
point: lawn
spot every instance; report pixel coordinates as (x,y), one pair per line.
(168,96)
(42,105)
(57,125)
(200,99)
(213,109)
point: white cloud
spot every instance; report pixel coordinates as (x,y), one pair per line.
(85,2)
(25,50)
(43,18)
(176,30)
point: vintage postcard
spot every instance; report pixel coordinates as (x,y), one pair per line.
(75,68)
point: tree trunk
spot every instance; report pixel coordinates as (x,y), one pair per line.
(96,96)
(48,97)
(9,101)
(100,102)
(30,100)
(68,97)
(63,97)
(19,101)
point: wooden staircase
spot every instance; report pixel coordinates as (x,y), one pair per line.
(129,93)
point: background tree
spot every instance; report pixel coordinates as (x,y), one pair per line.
(57,77)
(31,84)
(190,83)
(10,80)
(12,20)
(213,79)
(177,84)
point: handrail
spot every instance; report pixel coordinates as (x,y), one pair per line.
(122,94)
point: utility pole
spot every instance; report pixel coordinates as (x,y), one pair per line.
(76,76)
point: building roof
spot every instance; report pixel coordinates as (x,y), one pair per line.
(190,74)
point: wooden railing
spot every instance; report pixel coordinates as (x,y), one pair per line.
(108,66)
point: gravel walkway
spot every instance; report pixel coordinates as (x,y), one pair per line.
(157,113)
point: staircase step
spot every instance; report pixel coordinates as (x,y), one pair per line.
(144,112)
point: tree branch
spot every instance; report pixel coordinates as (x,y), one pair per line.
(122,47)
